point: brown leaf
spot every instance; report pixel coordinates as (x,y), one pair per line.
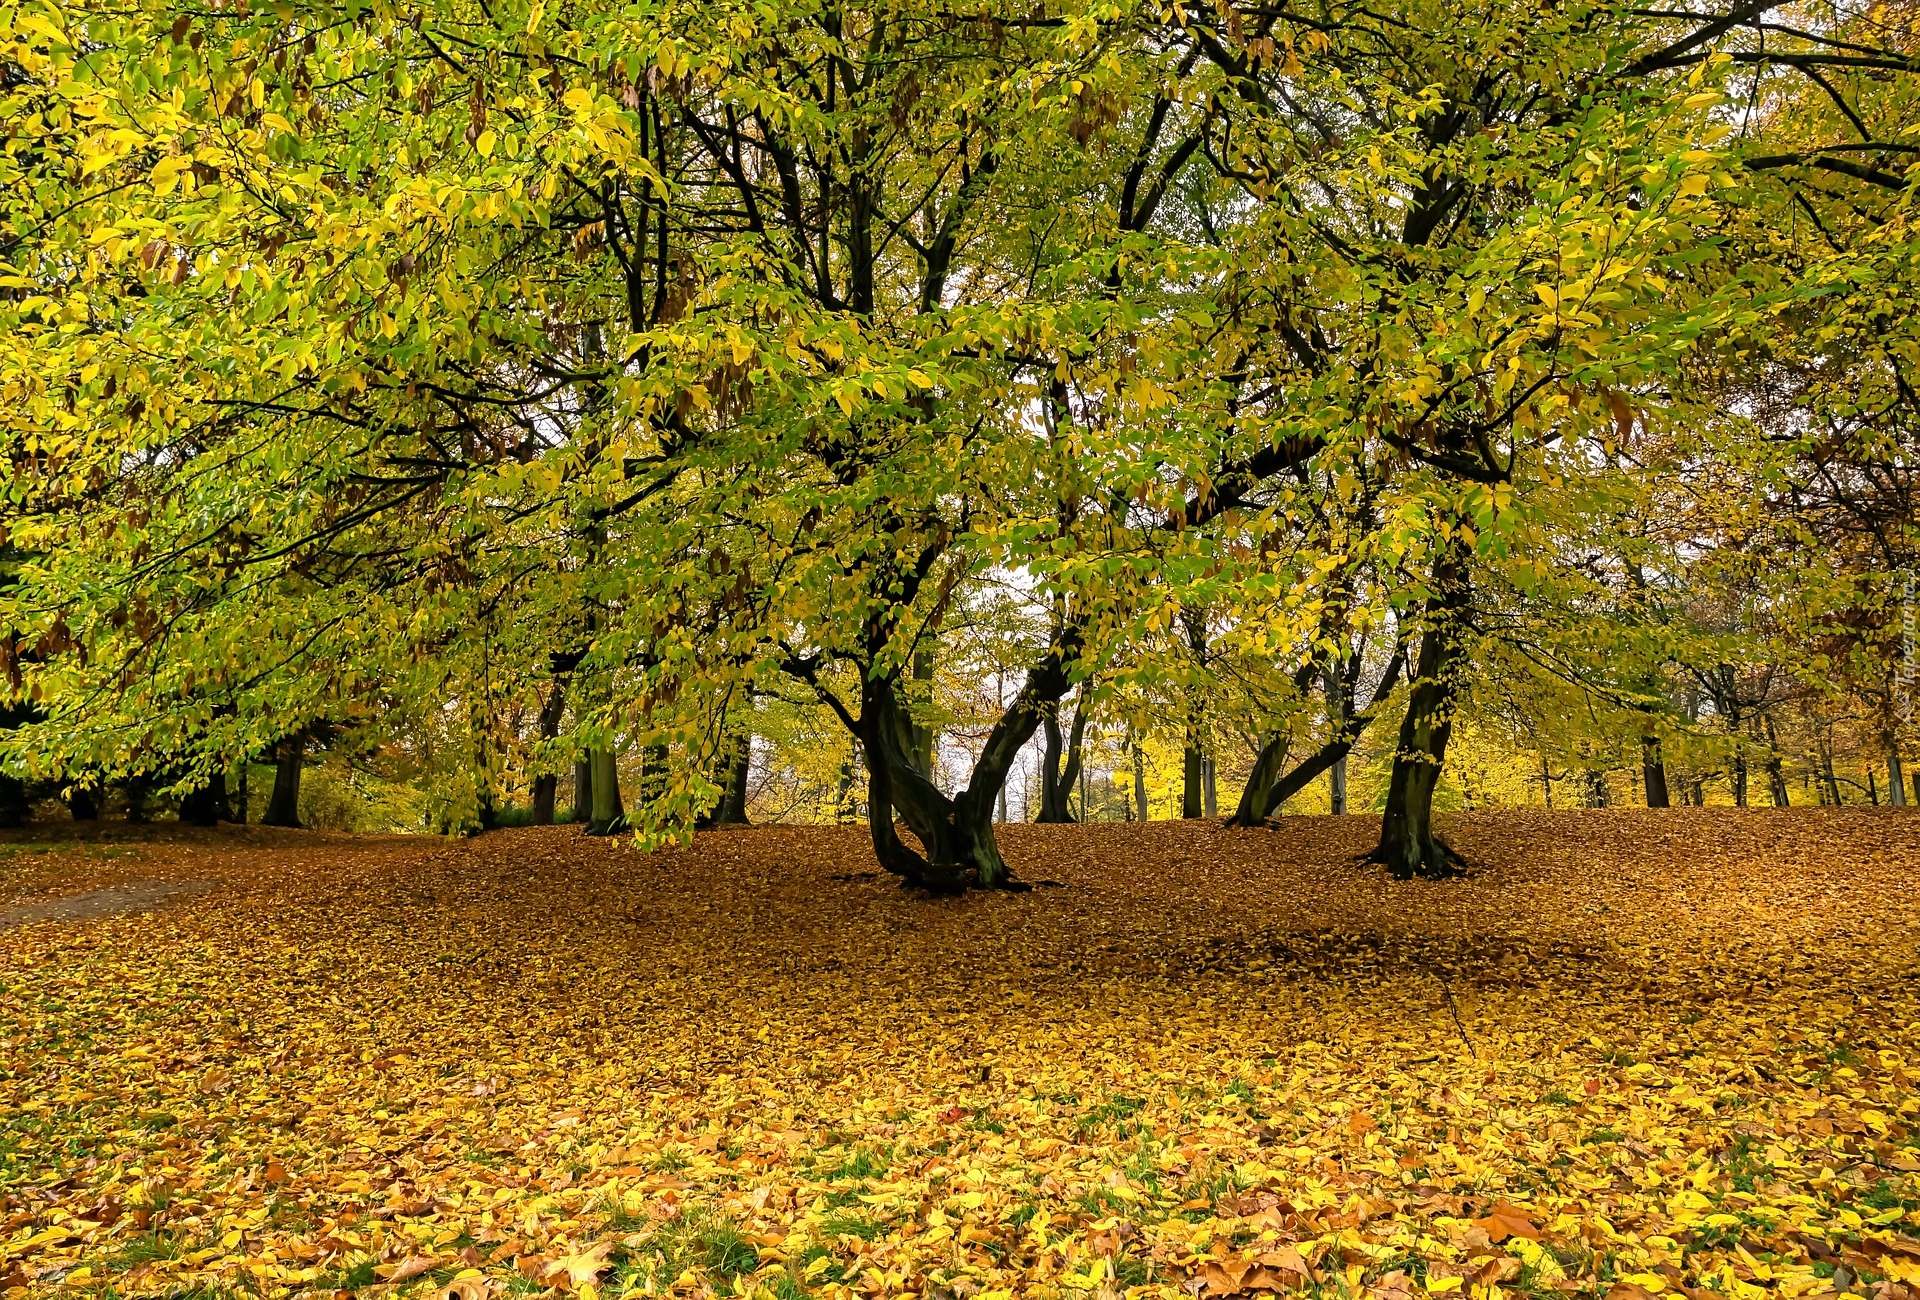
(1504,1221)
(411,1266)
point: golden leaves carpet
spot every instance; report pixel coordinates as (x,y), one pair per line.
(1634,1054)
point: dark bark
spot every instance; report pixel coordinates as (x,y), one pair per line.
(733,807)
(1061,763)
(289,760)
(546,786)
(1190,761)
(1896,779)
(923,735)
(1267,789)
(137,790)
(1408,847)
(1776,773)
(732,767)
(1139,780)
(957,845)
(1193,756)
(207,804)
(1653,769)
(582,810)
(14,808)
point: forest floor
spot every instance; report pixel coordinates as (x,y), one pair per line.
(1633,1054)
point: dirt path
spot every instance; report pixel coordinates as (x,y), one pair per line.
(133,896)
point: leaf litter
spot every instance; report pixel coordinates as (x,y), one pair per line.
(1634,1055)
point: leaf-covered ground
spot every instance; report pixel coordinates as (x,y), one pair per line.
(1635,1053)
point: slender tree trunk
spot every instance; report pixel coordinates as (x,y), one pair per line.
(1060,763)
(1873,791)
(609,814)
(1653,769)
(1896,779)
(1776,772)
(1209,787)
(1337,787)
(1826,771)
(843,795)
(289,759)
(1139,779)
(734,766)
(733,808)
(1190,762)
(546,786)
(1739,777)
(583,790)
(243,803)
(1408,847)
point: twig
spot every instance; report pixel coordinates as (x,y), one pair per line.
(1447,993)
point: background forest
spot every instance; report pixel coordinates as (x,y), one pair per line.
(439,416)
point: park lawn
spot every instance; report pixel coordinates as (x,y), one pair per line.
(1634,1053)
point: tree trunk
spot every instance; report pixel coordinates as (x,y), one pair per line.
(14,808)
(1190,761)
(1209,791)
(207,805)
(735,765)
(1596,783)
(955,834)
(733,809)
(1739,778)
(546,786)
(1826,771)
(82,805)
(1873,791)
(289,758)
(1060,764)
(1337,787)
(1776,773)
(609,814)
(582,791)
(923,735)
(1139,780)
(1896,779)
(1267,790)
(1653,768)
(1408,847)
(136,792)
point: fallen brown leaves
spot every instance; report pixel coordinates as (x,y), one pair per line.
(1215,1063)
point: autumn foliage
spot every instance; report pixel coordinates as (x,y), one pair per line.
(1635,1054)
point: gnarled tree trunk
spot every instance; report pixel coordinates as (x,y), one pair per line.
(1408,847)
(1268,788)
(957,845)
